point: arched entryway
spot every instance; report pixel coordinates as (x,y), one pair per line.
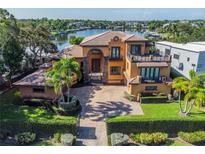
(95,65)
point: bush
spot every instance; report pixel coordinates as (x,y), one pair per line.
(141,124)
(153,99)
(196,138)
(26,138)
(57,137)
(40,127)
(119,139)
(150,138)
(67,139)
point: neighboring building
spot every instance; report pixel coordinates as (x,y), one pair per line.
(35,86)
(119,58)
(185,57)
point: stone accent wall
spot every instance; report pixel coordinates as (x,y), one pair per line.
(105,70)
(85,69)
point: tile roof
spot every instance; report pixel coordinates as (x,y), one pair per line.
(37,78)
(73,51)
(103,39)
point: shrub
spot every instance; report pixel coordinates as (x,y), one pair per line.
(196,138)
(150,138)
(141,124)
(67,139)
(26,138)
(48,126)
(57,137)
(153,99)
(119,139)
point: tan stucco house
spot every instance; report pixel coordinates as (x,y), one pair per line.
(110,58)
(118,58)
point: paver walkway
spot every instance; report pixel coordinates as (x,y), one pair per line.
(99,102)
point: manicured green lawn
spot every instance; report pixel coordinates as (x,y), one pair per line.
(13,111)
(170,110)
(162,111)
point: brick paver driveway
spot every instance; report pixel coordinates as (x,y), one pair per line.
(99,102)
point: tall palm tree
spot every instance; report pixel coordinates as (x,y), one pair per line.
(193,88)
(61,75)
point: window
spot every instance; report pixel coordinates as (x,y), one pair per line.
(38,89)
(150,73)
(188,59)
(115,54)
(150,88)
(167,51)
(135,49)
(115,70)
(176,56)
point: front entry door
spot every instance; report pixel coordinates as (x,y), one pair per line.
(95,65)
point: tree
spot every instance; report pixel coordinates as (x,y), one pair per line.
(194,91)
(11,50)
(61,75)
(37,39)
(75,40)
(180,85)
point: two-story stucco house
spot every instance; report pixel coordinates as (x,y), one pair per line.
(119,58)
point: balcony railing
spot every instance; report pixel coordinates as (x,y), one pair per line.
(161,79)
(149,58)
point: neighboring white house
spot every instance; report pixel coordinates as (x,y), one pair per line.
(184,56)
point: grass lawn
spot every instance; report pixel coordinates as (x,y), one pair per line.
(162,111)
(177,142)
(12,110)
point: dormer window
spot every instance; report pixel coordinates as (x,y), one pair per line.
(135,49)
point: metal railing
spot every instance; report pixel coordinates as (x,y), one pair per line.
(161,79)
(149,58)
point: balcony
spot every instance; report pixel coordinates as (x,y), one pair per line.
(161,79)
(149,58)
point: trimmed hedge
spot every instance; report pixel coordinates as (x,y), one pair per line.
(153,99)
(142,124)
(14,126)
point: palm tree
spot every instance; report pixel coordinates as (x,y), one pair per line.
(193,88)
(180,85)
(61,75)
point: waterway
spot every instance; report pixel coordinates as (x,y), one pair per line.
(62,40)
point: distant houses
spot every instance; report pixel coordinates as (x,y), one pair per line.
(184,56)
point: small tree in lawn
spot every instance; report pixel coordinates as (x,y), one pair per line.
(194,91)
(180,85)
(61,75)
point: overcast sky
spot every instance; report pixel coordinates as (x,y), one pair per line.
(109,14)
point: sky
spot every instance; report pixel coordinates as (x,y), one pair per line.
(109,14)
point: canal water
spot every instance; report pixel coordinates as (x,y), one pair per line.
(62,40)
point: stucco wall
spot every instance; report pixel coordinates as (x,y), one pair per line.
(139,88)
(27,92)
(183,55)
